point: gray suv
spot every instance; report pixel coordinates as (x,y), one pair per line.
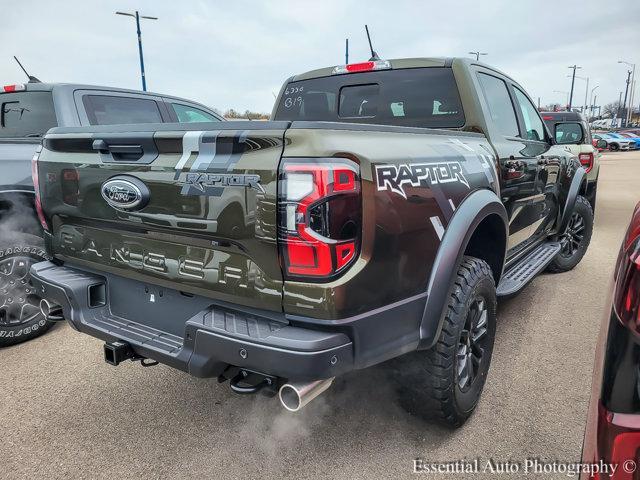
(27,112)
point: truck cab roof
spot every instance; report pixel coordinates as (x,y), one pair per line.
(398,63)
(563,116)
(69,88)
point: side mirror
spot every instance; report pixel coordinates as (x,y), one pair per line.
(601,144)
(568,133)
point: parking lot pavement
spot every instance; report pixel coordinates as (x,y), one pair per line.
(65,413)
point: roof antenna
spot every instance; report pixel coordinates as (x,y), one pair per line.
(32,79)
(374,55)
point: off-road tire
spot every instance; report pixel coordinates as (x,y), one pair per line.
(17,253)
(579,234)
(430,380)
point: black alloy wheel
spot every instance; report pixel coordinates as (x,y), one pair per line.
(573,237)
(472,344)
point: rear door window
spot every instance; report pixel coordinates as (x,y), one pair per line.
(114,110)
(532,121)
(412,97)
(189,114)
(501,109)
(26,114)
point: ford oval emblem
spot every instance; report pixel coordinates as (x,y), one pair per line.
(125,193)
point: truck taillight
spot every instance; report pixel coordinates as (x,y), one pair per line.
(618,443)
(319,216)
(586,159)
(36,186)
(627,291)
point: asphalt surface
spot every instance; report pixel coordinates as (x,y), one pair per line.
(64,413)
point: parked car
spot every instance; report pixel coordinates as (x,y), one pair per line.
(613,422)
(371,221)
(28,111)
(629,136)
(615,144)
(572,130)
(605,123)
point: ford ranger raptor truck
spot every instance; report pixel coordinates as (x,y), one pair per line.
(27,111)
(378,215)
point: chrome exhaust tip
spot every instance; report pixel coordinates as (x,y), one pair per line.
(293,396)
(51,311)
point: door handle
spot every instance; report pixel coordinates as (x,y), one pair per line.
(135,149)
(118,151)
(103,146)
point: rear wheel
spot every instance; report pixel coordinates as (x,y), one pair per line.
(445,382)
(576,238)
(20,317)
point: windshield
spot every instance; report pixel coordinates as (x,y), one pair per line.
(417,97)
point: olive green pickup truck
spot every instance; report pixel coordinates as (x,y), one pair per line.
(377,216)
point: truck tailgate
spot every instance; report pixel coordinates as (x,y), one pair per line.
(193,210)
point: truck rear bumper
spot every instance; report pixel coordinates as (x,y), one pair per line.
(188,332)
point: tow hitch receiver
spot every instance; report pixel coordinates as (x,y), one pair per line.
(117,352)
(246,382)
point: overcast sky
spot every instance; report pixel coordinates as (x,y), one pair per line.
(237,53)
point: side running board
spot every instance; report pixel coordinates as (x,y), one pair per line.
(520,274)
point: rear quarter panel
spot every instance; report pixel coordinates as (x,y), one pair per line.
(402,224)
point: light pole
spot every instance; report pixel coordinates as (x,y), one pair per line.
(137,16)
(591,101)
(618,110)
(566,93)
(573,79)
(477,54)
(633,85)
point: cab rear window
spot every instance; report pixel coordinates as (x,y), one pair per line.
(417,97)
(26,114)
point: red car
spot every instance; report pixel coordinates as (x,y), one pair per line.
(613,424)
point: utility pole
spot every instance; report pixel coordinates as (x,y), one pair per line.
(477,54)
(624,106)
(573,80)
(137,16)
(346,51)
(633,88)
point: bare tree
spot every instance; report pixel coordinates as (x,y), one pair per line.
(231,113)
(613,109)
